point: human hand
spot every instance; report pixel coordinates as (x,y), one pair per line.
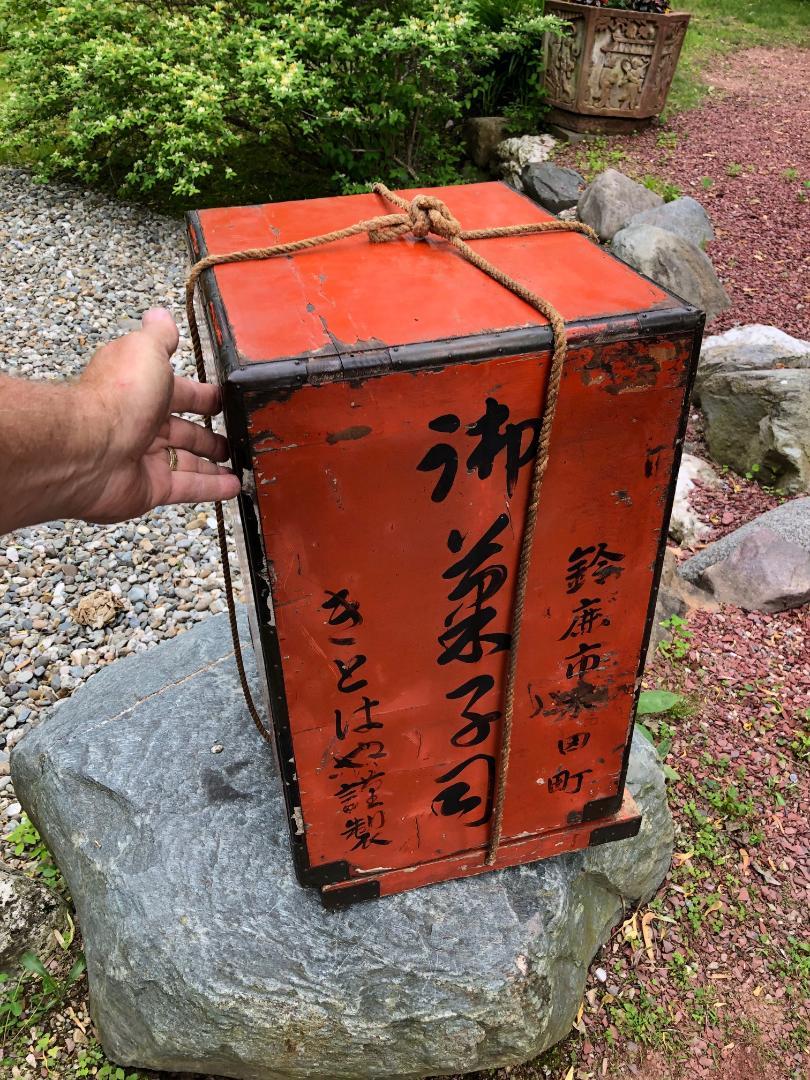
(128,397)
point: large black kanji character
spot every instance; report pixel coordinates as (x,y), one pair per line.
(478,728)
(584,617)
(578,741)
(493,441)
(596,558)
(585,659)
(456,797)
(442,456)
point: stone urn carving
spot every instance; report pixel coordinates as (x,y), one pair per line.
(612,71)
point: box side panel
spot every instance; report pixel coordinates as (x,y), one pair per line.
(391,511)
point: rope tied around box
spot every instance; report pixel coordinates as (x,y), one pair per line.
(422,215)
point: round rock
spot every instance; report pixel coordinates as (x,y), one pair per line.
(205,955)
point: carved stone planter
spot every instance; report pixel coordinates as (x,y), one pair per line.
(613,71)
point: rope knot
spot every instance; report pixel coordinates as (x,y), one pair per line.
(422,215)
(428,214)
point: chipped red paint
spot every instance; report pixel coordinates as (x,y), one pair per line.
(389,487)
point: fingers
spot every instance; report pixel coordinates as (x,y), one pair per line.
(195,487)
(185,435)
(187,462)
(194,397)
(159,325)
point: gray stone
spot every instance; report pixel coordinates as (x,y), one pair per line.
(685,217)
(685,527)
(554,188)
(163,810)
(482,135)
(791,521)
(513,155)
(29,913)
(763,573)
(610,202)
(753,383)
(673,263)
(750,348)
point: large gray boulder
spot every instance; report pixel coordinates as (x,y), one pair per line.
(163,809)
(763,573)
(790,521)
(555,188)
(685,217)
(612,200)
(674,263)
(753,383)
(750,348)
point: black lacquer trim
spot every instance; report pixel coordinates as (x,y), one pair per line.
(618,830)
(236,422)
(337,899)
(331,873)
(597,809)
(312,369)
(662,544)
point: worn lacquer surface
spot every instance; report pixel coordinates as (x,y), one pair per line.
(355,293)
(391,512)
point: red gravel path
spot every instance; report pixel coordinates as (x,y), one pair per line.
(751,139)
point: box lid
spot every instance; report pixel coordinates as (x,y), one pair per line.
(354,295)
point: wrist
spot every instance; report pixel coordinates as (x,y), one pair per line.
(89,435)
(55,437)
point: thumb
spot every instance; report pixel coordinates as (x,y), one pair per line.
(159,325)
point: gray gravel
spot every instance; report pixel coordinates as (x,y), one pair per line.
(79,269)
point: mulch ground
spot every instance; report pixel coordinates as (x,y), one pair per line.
(745,155)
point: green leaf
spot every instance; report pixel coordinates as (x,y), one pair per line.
(670,773)
(657,701)
(34,964)
(645,732)
(76,971)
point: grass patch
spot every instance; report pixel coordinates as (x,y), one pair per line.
(595,155)
(643,1020)
(723,26)
(27,844)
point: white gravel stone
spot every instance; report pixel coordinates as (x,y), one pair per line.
(79,269)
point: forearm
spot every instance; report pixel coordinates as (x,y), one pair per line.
(53,439)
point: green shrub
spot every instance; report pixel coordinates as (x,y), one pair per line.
(236,98)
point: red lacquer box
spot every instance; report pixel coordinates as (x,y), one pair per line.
(383,401)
